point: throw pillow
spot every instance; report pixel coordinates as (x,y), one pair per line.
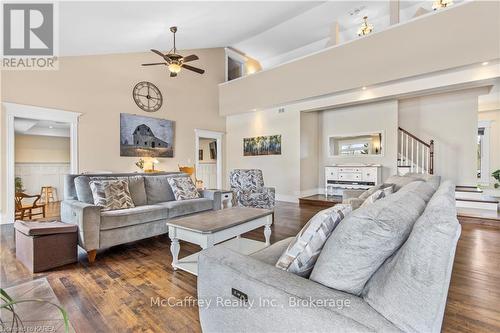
(400,181)
(379,194)
(183,188)
(301,255)
(364,240)
(111,194)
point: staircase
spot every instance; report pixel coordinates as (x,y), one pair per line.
(417,156)
(414,154)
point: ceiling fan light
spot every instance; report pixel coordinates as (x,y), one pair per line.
(439,4)
(365,28)
(174,68)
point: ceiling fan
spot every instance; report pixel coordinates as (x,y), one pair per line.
(174,61)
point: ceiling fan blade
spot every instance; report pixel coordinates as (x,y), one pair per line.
(155,63)
(194,69)
(191,57)
(164,56)
(173,74)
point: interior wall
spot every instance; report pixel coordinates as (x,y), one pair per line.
(450,119)
(41,149)
(280,171)
(367,118)
(309,152)
(100,87)
(375,59)
(494,117)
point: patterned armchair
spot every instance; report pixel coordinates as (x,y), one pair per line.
(248,189)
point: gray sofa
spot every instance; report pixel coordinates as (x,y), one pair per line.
(355,197)
(154,204)
(406,293)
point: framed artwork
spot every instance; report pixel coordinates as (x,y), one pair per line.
(262,145)
(213,150)
(142,136)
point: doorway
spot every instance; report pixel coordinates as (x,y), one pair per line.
(208,158)
(41,147)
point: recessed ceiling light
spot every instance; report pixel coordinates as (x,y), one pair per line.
(51,126)
(364,88)
(485,63)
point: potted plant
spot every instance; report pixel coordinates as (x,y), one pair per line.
(17,324)
(496,175)
(19,184)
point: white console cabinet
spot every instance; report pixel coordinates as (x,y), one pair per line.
(340,177)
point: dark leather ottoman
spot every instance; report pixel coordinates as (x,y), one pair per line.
(44,245)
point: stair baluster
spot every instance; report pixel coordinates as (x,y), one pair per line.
(415,155)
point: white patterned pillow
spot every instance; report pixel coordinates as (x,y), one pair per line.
(111,194)
(301,255)
(183,188)
(377,195)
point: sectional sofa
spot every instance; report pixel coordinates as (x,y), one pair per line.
(154,204)
(405,291)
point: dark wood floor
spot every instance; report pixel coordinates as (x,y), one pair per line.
(114,294)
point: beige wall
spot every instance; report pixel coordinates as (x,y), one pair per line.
(309,152)
(367,118)
(299,169)
(43,149)
(450,120)
(494,117)
(280,171)
(402,51)
(100,87)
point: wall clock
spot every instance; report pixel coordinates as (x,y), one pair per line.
(147,96)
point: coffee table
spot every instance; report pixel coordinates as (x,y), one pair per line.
(218,226)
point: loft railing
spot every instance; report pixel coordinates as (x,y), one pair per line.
(415,154)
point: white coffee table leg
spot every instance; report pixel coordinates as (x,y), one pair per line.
(267,230)
(174,248)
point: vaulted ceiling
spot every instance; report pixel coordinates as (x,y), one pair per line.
(269,31)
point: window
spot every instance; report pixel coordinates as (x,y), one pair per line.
(234,69)
(235,64)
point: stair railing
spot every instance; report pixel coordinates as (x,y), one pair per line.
(415,153)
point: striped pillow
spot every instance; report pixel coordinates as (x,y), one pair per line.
(111,194)
(301,255)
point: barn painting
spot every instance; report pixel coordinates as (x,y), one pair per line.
(146,136)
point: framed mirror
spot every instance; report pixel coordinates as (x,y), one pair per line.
(360,144)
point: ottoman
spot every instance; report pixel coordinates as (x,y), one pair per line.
(44,245)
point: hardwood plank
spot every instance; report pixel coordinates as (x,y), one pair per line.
(114,294)
(320,200)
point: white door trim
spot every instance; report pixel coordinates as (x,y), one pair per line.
(201,133)
(485,152)
(12,111)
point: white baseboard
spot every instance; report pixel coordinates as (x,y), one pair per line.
(295,198)
(313,191)
(287,198)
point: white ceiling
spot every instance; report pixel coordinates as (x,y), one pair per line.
(269,31)
(27,126)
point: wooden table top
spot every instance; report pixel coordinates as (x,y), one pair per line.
(216,220)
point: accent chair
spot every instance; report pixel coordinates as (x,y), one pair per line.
(248,189)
